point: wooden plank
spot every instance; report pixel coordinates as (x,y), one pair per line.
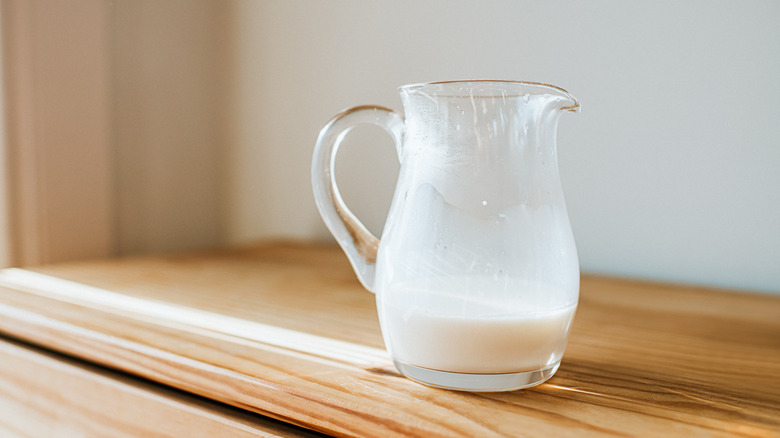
(44,394)
(285,330)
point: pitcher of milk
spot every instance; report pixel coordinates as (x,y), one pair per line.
(476,274)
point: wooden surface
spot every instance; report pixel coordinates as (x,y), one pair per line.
(49,395)
(285,330)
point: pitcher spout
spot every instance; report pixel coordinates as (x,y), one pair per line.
(565,101)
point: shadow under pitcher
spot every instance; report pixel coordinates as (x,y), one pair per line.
(476,275)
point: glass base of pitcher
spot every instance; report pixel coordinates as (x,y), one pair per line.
(476,382)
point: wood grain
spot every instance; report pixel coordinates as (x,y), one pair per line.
(644,359)
(44,395)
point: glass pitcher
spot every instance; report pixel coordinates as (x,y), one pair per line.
(476,275)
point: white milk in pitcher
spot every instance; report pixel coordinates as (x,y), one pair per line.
(471,334)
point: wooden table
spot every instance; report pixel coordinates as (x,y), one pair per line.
(248,342)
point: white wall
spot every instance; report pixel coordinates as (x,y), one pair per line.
(670,171)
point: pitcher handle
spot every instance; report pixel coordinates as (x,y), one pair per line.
(358,243)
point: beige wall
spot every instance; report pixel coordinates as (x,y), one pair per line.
(5,232)
(167,73)
(670,171)
(56,134)
(112,139)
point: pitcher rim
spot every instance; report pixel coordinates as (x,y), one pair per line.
(575,106)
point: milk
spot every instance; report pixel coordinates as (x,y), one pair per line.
(471,334)
(476,284)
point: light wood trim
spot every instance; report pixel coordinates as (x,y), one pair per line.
(44,394)
(644,359)
(186,318)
